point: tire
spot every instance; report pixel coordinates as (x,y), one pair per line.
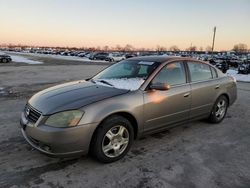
(4,60)
(219,110)
(108,145)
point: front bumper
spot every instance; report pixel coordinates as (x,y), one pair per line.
(58,142)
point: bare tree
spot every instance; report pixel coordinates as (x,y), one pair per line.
(118,47)
(192,48)
(174,48)
(128,47)
(160,48)
(208,48)
(106,48)
(240,48)
(98,48)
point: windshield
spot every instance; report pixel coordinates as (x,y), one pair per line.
(126,74)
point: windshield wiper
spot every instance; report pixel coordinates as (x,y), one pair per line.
(93,81)
(105,82)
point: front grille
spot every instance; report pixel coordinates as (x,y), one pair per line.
(31,114)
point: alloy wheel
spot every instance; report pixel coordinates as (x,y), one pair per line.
(220,109)
(115,141)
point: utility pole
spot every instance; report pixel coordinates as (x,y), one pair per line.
(213,39)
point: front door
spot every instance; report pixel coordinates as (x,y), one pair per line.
(163,108)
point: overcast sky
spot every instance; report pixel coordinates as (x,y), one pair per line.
(141,23)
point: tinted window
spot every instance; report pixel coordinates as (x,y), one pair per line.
(199,71)
(214,73)
(172,74)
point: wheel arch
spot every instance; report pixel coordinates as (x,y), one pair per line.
(218,96)
(126,115)
(227,96)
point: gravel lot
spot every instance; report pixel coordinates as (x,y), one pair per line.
(197,154)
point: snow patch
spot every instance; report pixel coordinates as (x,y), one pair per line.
(123,83)
(72,58)
(20,59)
(239,77)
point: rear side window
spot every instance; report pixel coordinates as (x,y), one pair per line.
(214,73)
(199,71)
(172,74)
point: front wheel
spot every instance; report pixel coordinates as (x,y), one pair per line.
(113,139)
(219,110)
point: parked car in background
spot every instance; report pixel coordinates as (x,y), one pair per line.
(137,96)
(115,57)
(234,62)
(82,54)
(223,66)
(212,61)
(221,63)
(244,68)
(5,58)
(99,56)
(129,55)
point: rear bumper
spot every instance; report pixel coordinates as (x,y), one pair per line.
(233,94)
(58,142)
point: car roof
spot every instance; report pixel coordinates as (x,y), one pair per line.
(162,59)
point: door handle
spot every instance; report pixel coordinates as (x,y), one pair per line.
(186,94)
(217,87)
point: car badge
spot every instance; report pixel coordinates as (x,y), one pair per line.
(27,111)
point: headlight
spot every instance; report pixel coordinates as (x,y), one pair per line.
(65,119)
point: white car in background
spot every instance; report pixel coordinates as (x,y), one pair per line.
(116,57)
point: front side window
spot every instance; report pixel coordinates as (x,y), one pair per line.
(199,71)
(172,74)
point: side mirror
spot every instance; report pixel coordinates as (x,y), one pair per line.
(160,86)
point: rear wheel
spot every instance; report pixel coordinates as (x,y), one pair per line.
(112,139)
(219,110)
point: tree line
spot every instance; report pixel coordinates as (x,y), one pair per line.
(239,48)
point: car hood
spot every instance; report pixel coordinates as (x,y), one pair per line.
(72,95)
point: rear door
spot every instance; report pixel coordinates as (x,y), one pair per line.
(163,108)
(204,88)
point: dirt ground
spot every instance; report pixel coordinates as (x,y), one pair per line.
(197,154)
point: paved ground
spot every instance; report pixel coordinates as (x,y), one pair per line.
(198,154)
